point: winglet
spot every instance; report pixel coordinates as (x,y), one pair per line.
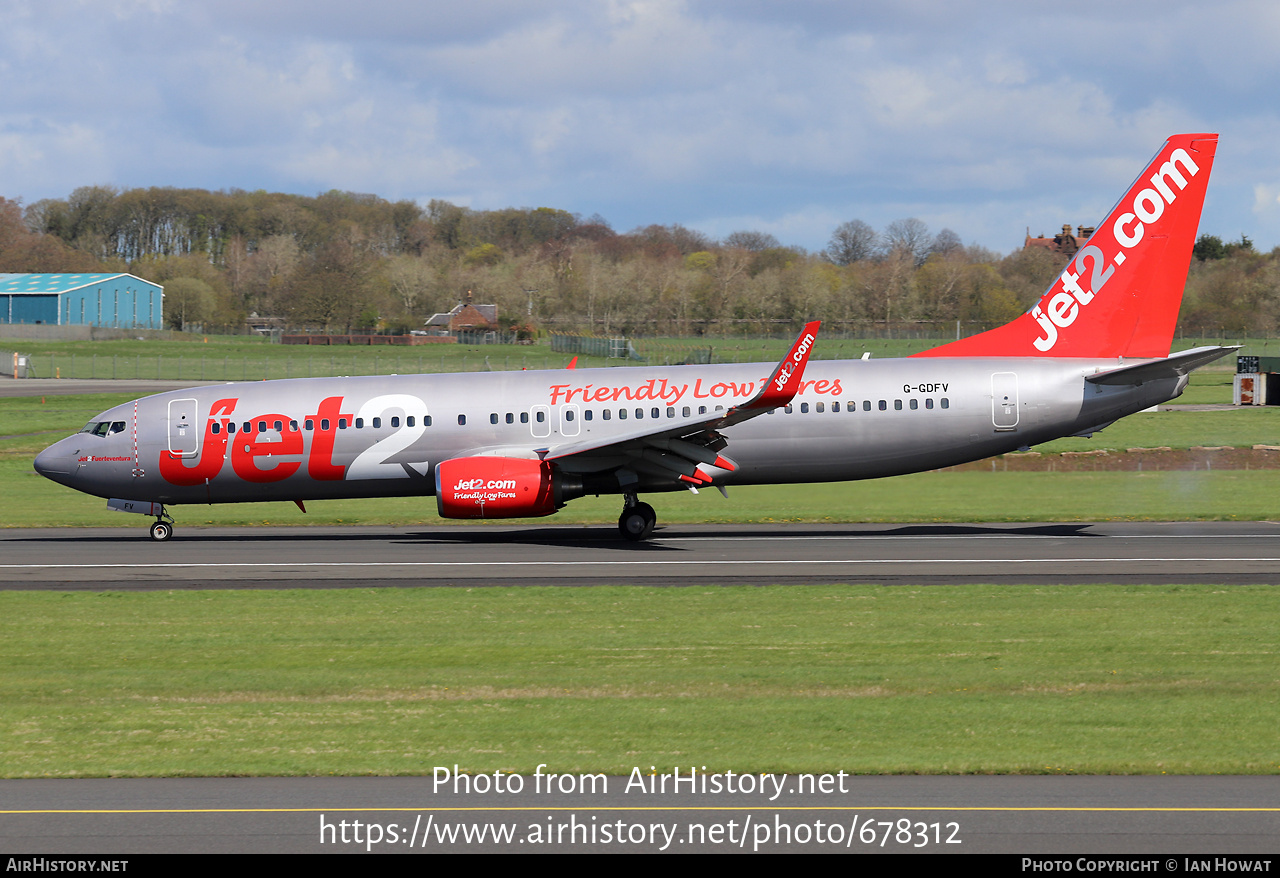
(784,383)
(573,364)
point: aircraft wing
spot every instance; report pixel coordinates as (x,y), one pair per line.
(1173,366)
(679,451)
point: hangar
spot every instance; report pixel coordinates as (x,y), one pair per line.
(116,300)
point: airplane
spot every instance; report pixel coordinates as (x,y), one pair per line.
(1095,348)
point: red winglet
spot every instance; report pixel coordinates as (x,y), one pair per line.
(572,363)
(785,380)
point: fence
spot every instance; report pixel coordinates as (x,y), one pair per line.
(594,346)
(183,368)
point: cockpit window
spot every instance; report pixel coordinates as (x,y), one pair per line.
(103,428)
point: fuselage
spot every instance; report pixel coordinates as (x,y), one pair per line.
(306,439)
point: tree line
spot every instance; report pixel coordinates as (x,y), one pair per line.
(341,261)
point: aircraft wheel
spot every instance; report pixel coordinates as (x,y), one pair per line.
(637,522)
(161,531)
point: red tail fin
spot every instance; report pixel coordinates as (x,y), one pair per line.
(1120,295)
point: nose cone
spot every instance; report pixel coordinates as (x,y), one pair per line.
(55,462)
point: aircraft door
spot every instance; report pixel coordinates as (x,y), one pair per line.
(1004,400)
(184,427)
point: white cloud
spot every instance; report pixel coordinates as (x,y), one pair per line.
(786,117)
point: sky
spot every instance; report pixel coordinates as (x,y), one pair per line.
(721,115)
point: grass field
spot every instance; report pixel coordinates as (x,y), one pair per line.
(1087,679)
(247,358)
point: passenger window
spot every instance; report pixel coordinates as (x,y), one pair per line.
(586,415)
(247,428)
(915,404)
(606,414)
(231,426)
(542,417)
(653,413)
(262,426)
(671,411)
(493,418)
(217,428)
(426,420)
(409,421)
(945,404)
(788,409)
(568,414)
(524,417)
(342,423)
(835,406)
(928,403)
(359,423)
(866,405)
(310,425)
(897,405)
(395,421)
(685,411)
(622,414)
(883,406)
(820,407)
(702,409)
(639,414)
(462,420)
(377,423)
(511,419)
(324,424)
(804,408)
(293,426)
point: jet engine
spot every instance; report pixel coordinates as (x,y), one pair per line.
(502,487)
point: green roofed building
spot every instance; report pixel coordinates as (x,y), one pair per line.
(115,300)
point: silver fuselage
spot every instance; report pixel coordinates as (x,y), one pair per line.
(321,438)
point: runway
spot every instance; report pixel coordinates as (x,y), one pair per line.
(1159,817)
(473,556)
(1166,817)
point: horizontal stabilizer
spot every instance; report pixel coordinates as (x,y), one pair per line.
(1173,366)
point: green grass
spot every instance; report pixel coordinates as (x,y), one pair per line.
(1241,427)
(249,358)
(1233,495)
(1088,679)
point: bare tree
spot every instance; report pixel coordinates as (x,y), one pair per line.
(751,240)
(946,241)
(852,242)
(910,236)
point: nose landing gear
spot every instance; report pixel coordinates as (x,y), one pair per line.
(163,527)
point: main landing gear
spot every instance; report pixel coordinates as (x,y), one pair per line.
(163,527)
(637,519)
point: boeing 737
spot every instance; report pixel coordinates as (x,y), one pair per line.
(1096,347)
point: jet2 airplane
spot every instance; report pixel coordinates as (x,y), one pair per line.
(519,444)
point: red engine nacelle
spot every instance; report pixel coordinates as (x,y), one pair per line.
(497,487)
